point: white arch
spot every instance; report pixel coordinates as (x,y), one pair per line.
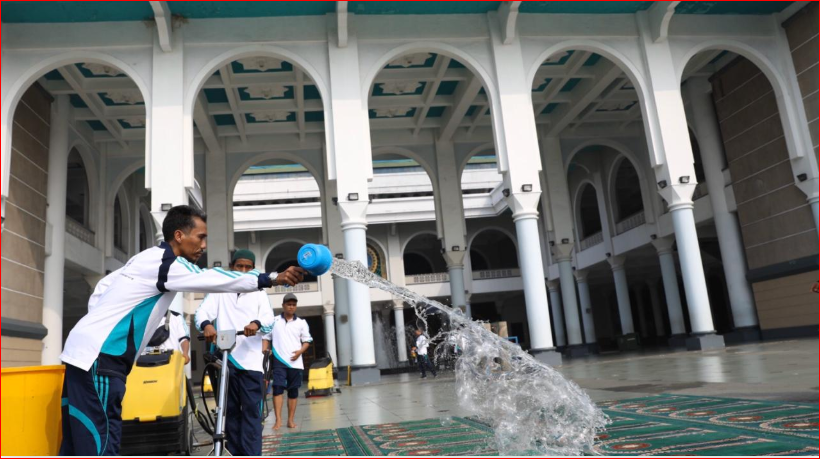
(611,177)
(120,179)
(280,243)
(92,179)
(24,81)
(793,119)
(148,224)
(407,241)
(296,159)
(475,151)
(211,66)
(576,206)
(493,228)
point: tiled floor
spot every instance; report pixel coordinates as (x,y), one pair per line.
(779,371)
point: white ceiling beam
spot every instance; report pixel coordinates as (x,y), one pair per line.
(205,124)
(660,15)
(583,95)
(165,24)
(573,64)
(341,23)
(507,17)
(59,87)
(698,62)
(475,120)
(233,101)
(606,97)
(431,90)
(73,77)
(465,95)
(790,10)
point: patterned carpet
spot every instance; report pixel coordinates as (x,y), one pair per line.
(663,425)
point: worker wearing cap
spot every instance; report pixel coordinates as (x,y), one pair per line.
(290,338)
(252,313)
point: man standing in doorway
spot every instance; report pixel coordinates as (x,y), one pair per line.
(123,314)
(421,351)
(290,338)
(252,313)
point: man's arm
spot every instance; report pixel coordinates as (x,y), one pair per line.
(306,339)
(181,334)
(205,315)
(184,276)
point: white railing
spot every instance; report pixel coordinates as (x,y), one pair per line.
(79,231)
(434,278)
(592,241)
(631,222)
(496,274)
(303,287)
(120,255)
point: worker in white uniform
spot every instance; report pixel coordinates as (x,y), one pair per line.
(123,314)
(252,313)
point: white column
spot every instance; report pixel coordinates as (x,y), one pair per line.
(342,317)
(519,156)
(167,167)
(54,267)
(563,256)
(732,251)
(330,335)
(450,212)
(670,285)
(556,305)
(657,312)
(694,279)
(622,291)
(354,229)
(350,165)
(673,161)
(217,197)
(401,341)
(525,217)
(813,201)
(586,306)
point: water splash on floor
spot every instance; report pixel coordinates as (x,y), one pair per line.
(532,408)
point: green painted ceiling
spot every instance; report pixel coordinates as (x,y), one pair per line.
(52,12)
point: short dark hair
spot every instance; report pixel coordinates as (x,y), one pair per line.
(181,218)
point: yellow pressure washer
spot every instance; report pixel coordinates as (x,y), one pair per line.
(320,379)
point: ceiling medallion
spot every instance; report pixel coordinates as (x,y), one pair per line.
(392,112)
(276,91)
(270,116)
(125,97)
(134,122)
(102,70)
(261,63)
(411,60)
(400,87)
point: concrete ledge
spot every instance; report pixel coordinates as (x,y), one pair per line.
(705,343)
(547,356)
(578,350)
(364,375)
(676,341)
(743,335)
(14,328)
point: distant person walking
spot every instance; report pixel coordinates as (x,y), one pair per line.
(421,355)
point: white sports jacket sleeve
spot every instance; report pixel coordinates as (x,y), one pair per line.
(184,276)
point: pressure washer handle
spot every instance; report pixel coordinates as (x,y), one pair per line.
(238,333)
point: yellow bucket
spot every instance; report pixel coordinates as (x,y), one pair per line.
(31,421)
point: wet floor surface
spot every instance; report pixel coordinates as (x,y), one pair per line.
(777,371)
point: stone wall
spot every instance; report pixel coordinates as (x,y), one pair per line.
(24,234)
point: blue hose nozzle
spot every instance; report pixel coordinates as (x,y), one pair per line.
(315,259)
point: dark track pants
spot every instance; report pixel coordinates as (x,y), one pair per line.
(244,418)
(92,413)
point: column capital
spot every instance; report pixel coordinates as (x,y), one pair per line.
(617,262)
(678,195)
(563,252)
(454,259)
(581,275)
(664,244)
(354,214)
(553,285)
(398,305)
(524,205)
